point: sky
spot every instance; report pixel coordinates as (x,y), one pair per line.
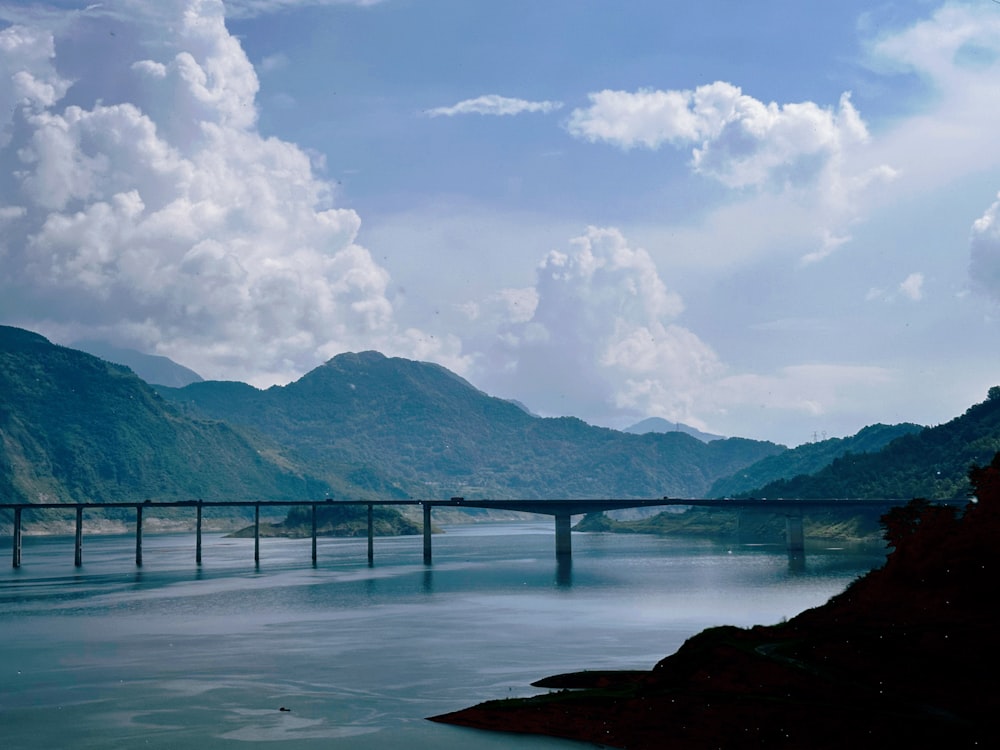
(773,220)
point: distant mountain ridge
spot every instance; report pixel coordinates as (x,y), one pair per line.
(808,459)
(74,428)
(931,463)
(434,433)
(154,369)
(660,425)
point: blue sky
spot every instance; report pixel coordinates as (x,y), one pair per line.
(776,220)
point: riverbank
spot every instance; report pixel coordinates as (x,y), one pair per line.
(742,526)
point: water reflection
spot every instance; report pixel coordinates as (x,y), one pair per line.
(796,562)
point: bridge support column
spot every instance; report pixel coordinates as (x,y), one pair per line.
(17,538)
(314,533)
(564,540)
(197,541)
(138,536)
(427,533)
(256,533)
(371,537)
(794,535)
(78,550)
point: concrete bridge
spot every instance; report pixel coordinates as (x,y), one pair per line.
(561,510)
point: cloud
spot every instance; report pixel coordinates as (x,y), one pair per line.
(737,139)
(602,331)
(168,223)
(955,53)
(492,104)
(984,264)
(254,8)
(804,154)
(912,287)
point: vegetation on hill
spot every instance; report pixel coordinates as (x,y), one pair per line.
(808,459)
(904,657)
(930,463)
(431,433)
(74,428)
(742,526)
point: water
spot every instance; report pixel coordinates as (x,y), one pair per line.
(173,656)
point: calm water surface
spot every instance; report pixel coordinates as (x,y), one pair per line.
(175,656)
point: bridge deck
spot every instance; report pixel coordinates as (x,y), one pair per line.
(561,509)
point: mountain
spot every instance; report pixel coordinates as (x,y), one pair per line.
(150,367)
(931,463)
(429,432)
(808,459)
(656,424)
(75,428)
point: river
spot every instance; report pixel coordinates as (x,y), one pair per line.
(175,656)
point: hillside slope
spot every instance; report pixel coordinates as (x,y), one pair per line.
(74,428)
(809,459)
(432,432)
(931,463)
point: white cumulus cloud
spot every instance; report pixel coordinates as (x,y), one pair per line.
(602,330)
(168,222)
(737,139)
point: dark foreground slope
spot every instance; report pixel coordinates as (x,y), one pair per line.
(904,657)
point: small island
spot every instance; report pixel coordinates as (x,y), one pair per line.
(334,520)
(906,656)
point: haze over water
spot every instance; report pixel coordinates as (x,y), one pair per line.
(173,656)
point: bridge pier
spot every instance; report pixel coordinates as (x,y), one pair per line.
(564,535)
(794,535)
(256,533)
(371,537)
(314,534)
(197,542)
(138,536)
(78,549)
(17,537)
(427,533)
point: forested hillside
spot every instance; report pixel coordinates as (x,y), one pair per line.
(74,428)
(809,458)
(932,463)
(433,432)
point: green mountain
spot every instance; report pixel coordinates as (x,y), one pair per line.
(808,459)
(74,428)
(433,434)
(932,463)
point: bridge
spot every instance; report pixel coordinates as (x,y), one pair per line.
(561,510)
